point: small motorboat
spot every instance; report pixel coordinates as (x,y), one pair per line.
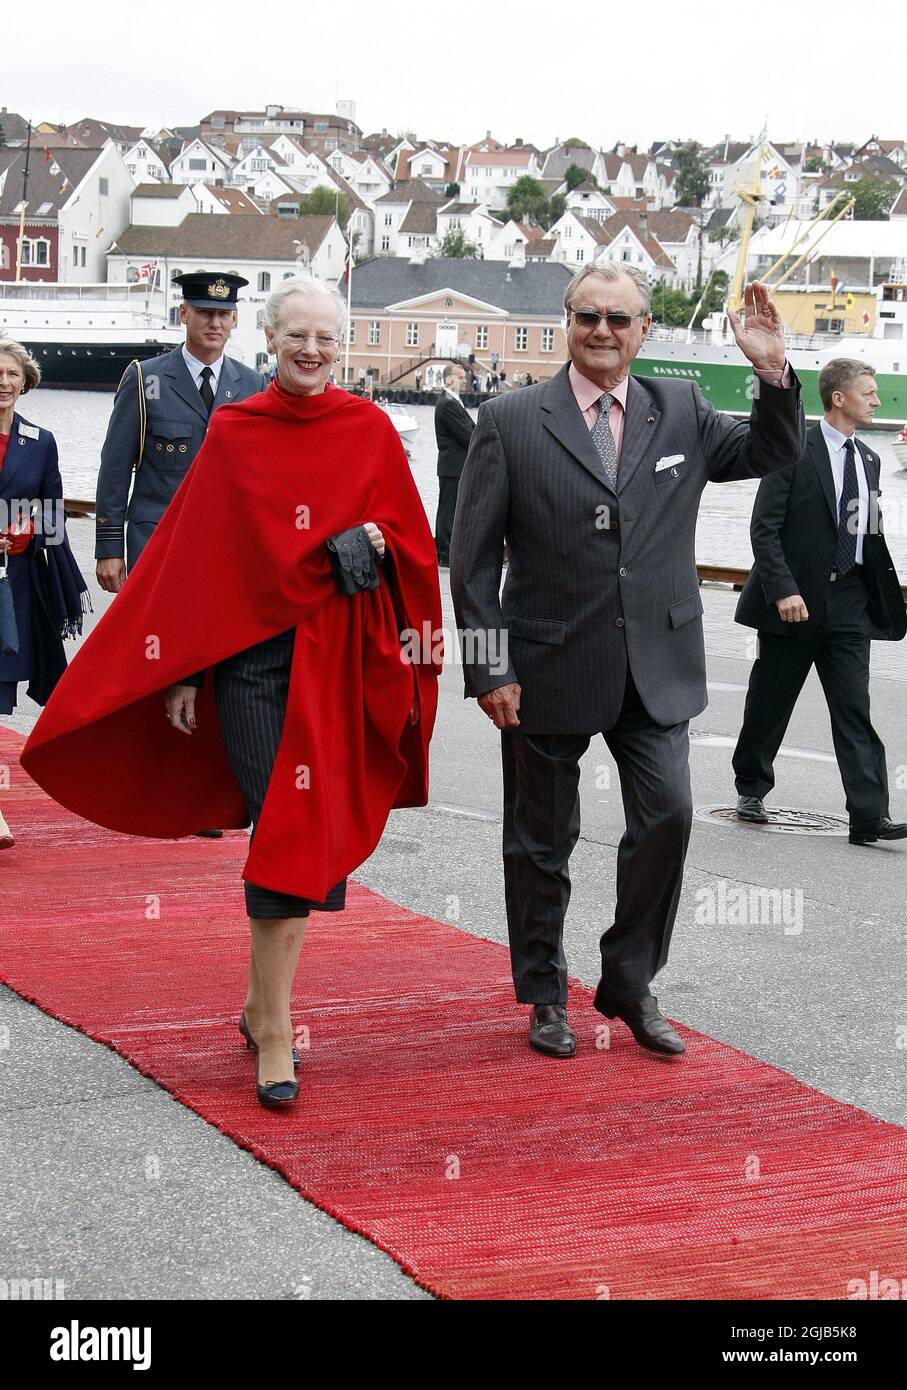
(404,423)
(900,447)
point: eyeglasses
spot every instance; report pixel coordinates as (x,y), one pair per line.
(588,318)
(323,340)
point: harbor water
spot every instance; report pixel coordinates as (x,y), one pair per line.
(79,419)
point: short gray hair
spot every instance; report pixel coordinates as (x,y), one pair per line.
(611,270)
(31,372)
(302,284)
(837,375)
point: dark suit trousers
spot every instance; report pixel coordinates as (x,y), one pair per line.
(447,505)
(542,824)
(251,695)
(840,651)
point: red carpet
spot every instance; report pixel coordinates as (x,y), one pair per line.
(615,1174)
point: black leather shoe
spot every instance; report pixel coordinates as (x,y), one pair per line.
(549,1031)
(866,832)
(648,1026)
(276,1093)
(253,1045)
(751,808)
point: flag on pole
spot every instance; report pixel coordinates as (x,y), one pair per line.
(46,154)
(835,282)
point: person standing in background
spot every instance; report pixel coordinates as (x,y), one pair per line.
(453,431)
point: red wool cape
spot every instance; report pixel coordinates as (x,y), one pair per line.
(238,557)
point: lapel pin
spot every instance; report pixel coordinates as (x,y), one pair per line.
(650,419)
(229,395)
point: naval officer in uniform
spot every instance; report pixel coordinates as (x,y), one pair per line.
(180,388)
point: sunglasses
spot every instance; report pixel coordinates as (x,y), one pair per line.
(588,318)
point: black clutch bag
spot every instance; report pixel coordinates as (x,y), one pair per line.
(354,561)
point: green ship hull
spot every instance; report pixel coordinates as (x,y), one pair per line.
(729,385)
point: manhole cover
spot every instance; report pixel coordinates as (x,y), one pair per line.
(781,819)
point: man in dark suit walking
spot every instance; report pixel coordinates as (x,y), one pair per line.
(453,431)
(594,479)
(181,389)
(822,587)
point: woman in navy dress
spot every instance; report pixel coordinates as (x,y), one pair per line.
(48,593)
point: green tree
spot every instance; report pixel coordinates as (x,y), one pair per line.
(576,175)
(873,199)
(816,165)
(526,200)
(452,190)
(557,206)
(575,143)
(724,234)
(693,181)
(455,245)
(324,202)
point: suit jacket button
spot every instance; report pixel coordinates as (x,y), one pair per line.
(169,448)
(618,622)
(623,571)
(159,447)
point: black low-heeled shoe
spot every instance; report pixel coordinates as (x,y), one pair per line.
(277,1093)
(251,1043)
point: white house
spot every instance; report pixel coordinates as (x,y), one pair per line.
(264,250)
(251,165)
(161,204)
(145,164)
(366,175)
(488,175)
(586,200)
(472,219)
(406,219)
(577,239)
(507,239)
(201,163)
(95,210)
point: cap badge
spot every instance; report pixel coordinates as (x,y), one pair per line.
(219,290)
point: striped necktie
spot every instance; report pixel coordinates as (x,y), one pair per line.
(603,440)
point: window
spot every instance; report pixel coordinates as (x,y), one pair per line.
(580,254)
(261,361)
(4,256)
(567,232)
(36,252)
(482,336)
(260,165)
(374,333)
(521,339)
(103,187)
(321,127)
(264,281)
(412,335)
(351,332)
(625,253)
(198,164)
(331,144)
(385,243)
(426,169)
(259,318)
(174,318)
(388,219)
(547,340)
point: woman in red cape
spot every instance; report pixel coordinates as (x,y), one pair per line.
(317,720)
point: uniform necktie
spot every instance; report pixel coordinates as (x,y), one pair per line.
(846,553)
(603,440)
(206,390)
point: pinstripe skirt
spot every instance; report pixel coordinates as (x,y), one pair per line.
(250,690)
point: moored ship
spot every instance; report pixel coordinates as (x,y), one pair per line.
(85,336)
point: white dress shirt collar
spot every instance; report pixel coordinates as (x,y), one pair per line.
(196,368)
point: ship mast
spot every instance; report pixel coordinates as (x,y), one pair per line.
(750,196)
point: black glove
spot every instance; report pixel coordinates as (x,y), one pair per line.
(353,559)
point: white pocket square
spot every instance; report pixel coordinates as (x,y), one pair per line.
(669,461)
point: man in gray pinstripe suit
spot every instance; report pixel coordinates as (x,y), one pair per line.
(593,479)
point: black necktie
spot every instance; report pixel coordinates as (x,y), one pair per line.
(846,554)
(205,390)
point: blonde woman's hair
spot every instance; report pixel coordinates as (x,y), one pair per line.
(30,369)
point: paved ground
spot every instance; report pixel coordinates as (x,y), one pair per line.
(820,994)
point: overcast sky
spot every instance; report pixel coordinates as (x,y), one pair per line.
(636,73)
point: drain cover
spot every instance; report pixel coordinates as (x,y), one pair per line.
(782,819)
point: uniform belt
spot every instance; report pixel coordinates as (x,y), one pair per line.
(836,578)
